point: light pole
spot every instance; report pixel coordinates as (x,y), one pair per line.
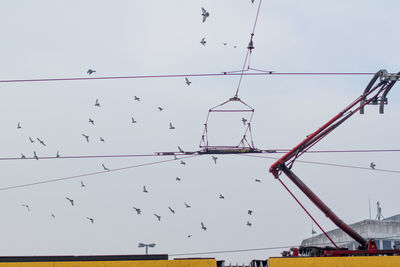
(141,245)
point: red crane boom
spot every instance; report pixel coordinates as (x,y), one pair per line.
(375,93)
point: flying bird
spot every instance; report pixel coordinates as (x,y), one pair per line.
(171,127)
(189,236)
(97,104)
(244,120)
(82,184)
(30,139)
(52,215)
(160,108)
(90,71)
(91,121)
(203,41)
(19,126)
(90,219)
(203,227)
(138,211)
(102,139)
(35,155)
(144,189)
(205,14)
(70,200)
(187,81)
(133,120)
(26,206)
(224,44)
(248,224)
(41,141)
(104,167)
(86,137)
(249,212)
(171,210)
(258,180)
(187,205)
(22,156)
(183,163)
(221,196)
(158,217)
(372,165)
(214,158)
(252,1)
(178,179)
(137,98)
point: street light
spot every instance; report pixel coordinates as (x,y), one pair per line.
(141,245)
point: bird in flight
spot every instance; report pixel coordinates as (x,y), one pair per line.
(138,211)
(178,179)
(19,126)
(97,104)
(86,137)
(58,154)
(70,200)
(187,81)
(249,212)
(26,206)
(52,215)
(203,41)
(183,163)
(22,156)
(158,217)
(372,165)
(244,120)
(252,1)
(41,141)
(144,189)
(133,120)
(214,158)
(102,139)
(30,139)
(171,210)
(104,167)
(90,219)
(91,121)
(224,44)
(160,108)
(248,224)
(258,180)
(221,196)
(189,236)
(82,184)
(171,127)
(90,71)
(35,155)
(187,205)
(203,227)
(137,98)
(205,14)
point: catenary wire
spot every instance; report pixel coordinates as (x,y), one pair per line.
(265,248)
(91,174)
(263,73)
(273,151)
(329,164)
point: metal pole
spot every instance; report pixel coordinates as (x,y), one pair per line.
(147,247)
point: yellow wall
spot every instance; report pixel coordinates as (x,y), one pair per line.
(147,263)
(367,261)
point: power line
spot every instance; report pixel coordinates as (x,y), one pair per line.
(163,154)
(330,164)
(90,174)
(263,73)
(266,248)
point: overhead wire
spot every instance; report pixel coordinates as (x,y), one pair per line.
(260,73)
(91,173)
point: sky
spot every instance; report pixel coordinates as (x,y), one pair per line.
(60,39)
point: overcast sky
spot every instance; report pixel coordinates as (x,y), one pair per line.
(57,39)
